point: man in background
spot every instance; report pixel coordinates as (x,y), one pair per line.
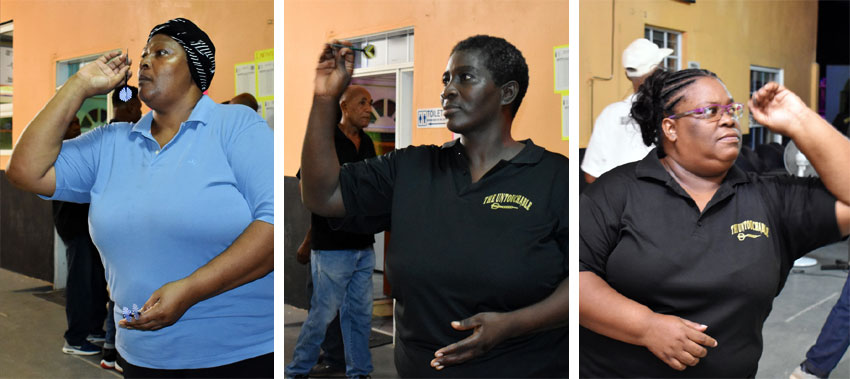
(616,138)
(341,268)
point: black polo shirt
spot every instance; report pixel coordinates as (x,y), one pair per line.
(722,267)
(459,248)
(324,238)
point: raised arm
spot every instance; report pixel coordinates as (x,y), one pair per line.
(31,165)
(319,163)
(782,111)
(674,340)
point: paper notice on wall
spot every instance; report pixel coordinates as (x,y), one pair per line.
(268,112)
(565,117)
(245,79)
(562,68)
(265,79)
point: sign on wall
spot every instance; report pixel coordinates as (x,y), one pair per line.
(257,78)
(562,85)
(430,118)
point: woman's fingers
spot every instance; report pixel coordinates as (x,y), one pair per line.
(695,349)
(696,334)
(675,364)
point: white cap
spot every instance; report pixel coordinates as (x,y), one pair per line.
(642,56)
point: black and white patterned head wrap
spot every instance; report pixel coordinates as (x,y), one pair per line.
(200,51)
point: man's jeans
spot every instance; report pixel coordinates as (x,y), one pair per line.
(834,337)
(342,281)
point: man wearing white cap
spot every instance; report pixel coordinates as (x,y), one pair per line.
(616,138)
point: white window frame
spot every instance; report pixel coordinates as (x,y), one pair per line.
(6,109)
(381,42)
(779,77)
(677,52)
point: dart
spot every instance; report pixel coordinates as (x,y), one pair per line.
(125,94)
(368,50)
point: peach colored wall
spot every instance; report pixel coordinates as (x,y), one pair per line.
(723,36)
(48,31)
(534,26)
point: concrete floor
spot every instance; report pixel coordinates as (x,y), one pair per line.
(31,327)
(792,327)
(31,331)
(799,313)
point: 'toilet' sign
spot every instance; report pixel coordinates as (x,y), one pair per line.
(430,118)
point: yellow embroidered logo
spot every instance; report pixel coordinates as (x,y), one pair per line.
(740,230)
(507,201)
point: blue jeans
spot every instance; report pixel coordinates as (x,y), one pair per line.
(833,339)
(342,281)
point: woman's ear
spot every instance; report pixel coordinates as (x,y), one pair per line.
(669,127)
(510,90)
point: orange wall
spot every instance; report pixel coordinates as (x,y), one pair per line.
(725,37)
(48,31)
(534,26)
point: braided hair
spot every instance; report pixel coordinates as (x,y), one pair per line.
(657,97)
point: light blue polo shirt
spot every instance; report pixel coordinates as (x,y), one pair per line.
(159,214)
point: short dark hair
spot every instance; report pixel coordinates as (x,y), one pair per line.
(116,101)
(656,98)
(504,61)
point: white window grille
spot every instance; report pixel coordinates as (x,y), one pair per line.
(665,38)
(6,86)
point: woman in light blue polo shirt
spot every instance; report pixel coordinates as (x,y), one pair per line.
(181,208)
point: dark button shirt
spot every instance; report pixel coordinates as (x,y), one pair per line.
(722,267)
(459,248)
(71,220)
(324,238)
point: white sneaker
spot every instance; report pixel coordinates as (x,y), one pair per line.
(800,374)
(87,348)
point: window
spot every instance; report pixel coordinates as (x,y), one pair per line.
(665,38)
(759,135)
(394,47)
(6,91)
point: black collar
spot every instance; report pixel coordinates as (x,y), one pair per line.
(530,154)
(651,167)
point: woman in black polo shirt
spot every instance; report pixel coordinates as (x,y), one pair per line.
(682,253)
(478,256)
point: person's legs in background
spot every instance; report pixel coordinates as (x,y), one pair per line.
(78,296)
(331,271)
(356,316)
(333,348)
(331,362)
(834,338)
(99,296)
(110,354)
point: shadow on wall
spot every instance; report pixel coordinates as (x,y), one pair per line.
(296,222)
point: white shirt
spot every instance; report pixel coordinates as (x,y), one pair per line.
(616,140)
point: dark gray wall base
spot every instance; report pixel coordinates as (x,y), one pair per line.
(296,221)
(26,232)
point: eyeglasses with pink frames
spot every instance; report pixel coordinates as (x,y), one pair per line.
(713,112)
